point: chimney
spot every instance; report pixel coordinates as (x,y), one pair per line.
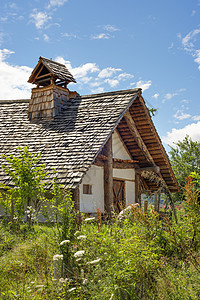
(51,93)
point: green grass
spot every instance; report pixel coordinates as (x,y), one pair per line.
(126,261)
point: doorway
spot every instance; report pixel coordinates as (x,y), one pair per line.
(119,200)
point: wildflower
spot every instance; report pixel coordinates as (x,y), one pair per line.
(57,256)
(62,280)
(81,237)
(78,259)
(64,242)
(72,289)
(79,253)
(89,219)
(85,281)
(93,261)
(76,233)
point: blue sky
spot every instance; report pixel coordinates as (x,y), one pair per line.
(111,45)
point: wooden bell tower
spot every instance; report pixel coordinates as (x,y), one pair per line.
(51,93)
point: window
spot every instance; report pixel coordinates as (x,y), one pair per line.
(87,189)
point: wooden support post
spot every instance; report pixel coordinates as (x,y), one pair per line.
(137,189)
(156,201)
(145,206)
(76,197)
(108,178)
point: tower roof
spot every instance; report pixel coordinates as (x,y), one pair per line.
(49,68)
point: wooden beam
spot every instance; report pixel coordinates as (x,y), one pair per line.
(133,129)
(151,169)
(137,189)
(117,162)
(76,198)
(42,76)
(108,178)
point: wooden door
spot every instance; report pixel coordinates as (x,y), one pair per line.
(119,200)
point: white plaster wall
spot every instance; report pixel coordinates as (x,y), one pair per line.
(90,203)
(118,149)
(95,177)
(130,192)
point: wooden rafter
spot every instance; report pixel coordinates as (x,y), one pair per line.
(133,129)
(156,136)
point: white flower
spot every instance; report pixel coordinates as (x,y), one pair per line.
(78,259)
(64,242)
(81,237)
(62,280)
(76,233)
(79,253)
(85,281)
(93,261)
(89,219)
(57,256)
(72,289)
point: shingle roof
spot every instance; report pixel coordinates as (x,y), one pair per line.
(57,69)
(71,141)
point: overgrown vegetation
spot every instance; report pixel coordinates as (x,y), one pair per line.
(142,257)
(185,159)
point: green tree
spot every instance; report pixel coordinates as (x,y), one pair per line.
(27,176)
(185,159)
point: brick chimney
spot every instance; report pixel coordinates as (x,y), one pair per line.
(51,93)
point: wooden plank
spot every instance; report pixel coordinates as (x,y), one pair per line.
(108,178)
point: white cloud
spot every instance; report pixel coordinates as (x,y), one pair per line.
(169,96)
(155,96)
(193,130)
(186,101)
(124,76)
(70,35)
(171,46)
(190,38)
(13,79)
(110,28)
(54,3)
(98,90)
(101,36)
(193,13)
(196,118)
(46,37)
(189,42)
(81,71)
(144,85)
(180,115)
(108,72)
(112,82)
(39,18)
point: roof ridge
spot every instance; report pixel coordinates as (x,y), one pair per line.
(52,61)
(129,91)
(14,101)
(112,93)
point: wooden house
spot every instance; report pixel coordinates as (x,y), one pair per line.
(99,144)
